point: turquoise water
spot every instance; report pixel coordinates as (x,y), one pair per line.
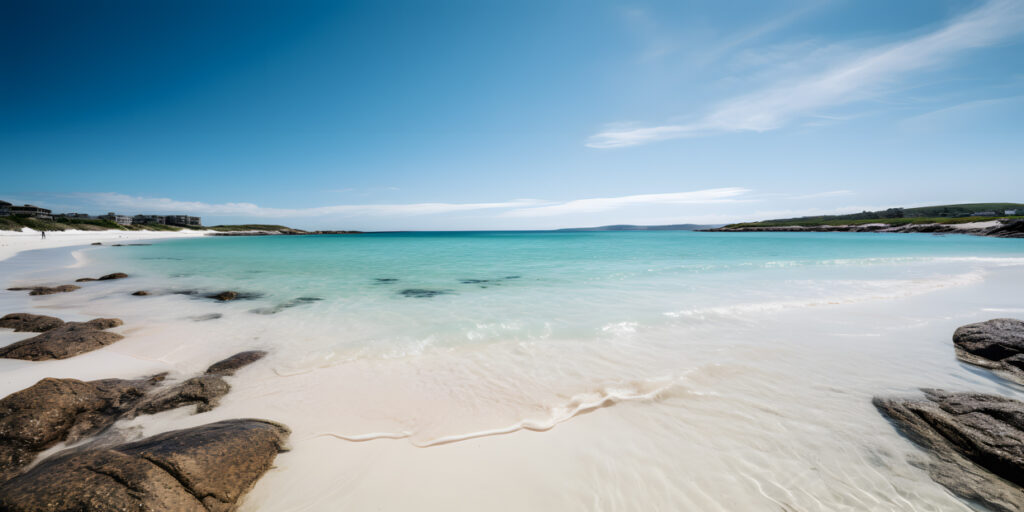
(562,371)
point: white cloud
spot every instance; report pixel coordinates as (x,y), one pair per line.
(866,76)
(709,196)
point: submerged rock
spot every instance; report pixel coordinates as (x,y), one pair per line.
(140,293)
(385,280)
(46,290)
(421,293)
(225,296)
(59,410)
(115,275)
(996,344)
(230,365)
(285,305)
(67,340)
(976,442)
(203,318)
(27,322)
(203,469)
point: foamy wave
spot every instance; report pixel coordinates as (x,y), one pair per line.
(880,290)
(578,404)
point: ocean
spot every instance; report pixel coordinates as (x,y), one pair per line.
(552,371)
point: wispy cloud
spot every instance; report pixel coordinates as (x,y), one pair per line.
(600,204)
(514,208)
(866,76)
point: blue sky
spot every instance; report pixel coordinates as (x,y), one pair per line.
(509,115)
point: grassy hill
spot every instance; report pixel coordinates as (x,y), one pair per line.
(941,214)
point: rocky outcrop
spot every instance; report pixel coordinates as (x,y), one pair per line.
(85,279)
(996,344)
(202,469)
(115,275)
(27,322)
(224,296)
(67,340)
(204,392)
(46,290)
(976,442)
(61,410)
(1012,229)
(230,365)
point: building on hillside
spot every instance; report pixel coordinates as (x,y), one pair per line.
(1010,212)
(123,220)
(31,211)
(5,208)
(149,219)
(184,220)
(983,214)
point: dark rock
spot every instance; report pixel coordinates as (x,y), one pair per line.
(85,279)
(976,442)
(140,293)
(27,322)
(225,296)
(385,280)
(46,290)
(285,305)
(420,293)
(67,340)
(203,318)
(204,392)
(115,275)
(56,410)
(474,281)
(230,365)
(996,344)
(1011,229)
(97,243)
(202,469)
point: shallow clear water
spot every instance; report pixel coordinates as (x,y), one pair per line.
(554,371)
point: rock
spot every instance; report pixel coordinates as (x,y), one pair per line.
(230,365)
(56,410)
(1011,229)
(202,469)
(996,344)
(976,442)
(285,305)
(225,296)
(385,280)
(85,279)
(46,290)
(140,293)
(115,275)
(204,392)
(420,293)
(27,322)
(203,318)
(67,340)
(97,243)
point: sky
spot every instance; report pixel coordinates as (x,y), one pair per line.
(478,114)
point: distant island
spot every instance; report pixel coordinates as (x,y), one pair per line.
(986,219)
(630,227)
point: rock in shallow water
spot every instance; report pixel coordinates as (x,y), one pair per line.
(204,392)
(64,341)
(46,290)
(230,365)
(27,322)
(976,442)
(996,344)
(203,469)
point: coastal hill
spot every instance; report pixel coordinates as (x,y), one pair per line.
(990,219)
(630,227)
(17,223)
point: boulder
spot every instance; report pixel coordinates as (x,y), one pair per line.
(47,290)
(203,469)
(230,365)
(996,344)
(204,392)
(140,293)
(64,341)
(115,275)
(57,410)
(975,441)
(225,296)
(27,322)
(85,279)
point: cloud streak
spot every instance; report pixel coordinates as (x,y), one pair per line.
(600,204)
(861,78)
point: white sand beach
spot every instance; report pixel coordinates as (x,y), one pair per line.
(13,242)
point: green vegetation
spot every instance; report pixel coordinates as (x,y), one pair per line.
(255,227)
(942,214)
(15,223)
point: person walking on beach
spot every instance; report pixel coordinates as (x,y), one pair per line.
(44,234)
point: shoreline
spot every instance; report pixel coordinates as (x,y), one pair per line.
(994,228)
(14,242)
